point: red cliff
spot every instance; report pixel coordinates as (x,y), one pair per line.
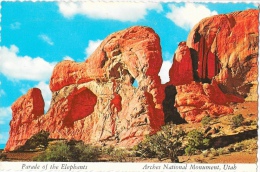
(221,56)
(227,50)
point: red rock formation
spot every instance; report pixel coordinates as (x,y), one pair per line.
(221,50)
(196,100)
(26,112)
(227,47)
(181,71)
(95,101)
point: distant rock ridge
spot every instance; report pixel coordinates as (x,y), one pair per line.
(95,101)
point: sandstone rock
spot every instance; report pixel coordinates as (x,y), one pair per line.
(196,100)
(95,101)
(26,112)
(227,49)
(181,71)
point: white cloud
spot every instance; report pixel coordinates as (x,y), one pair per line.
(15,25)
(46,39)
(5,118)
(68,58)
(122,11)
(5,115)
(4,137)
(46,93)
(92,46)
(2,92)
(188,15)
(164,72)
(16,67)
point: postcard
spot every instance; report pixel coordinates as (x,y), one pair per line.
(129,86)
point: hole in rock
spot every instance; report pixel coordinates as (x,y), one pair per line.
(135,83)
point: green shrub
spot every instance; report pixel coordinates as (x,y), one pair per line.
(3,156)
(237,120)
(214,152)
(58,153)
(254,122)
(107,150)
(64,152)
(164,144)
(196,141)
(39,140)
(221,151)
(119,155)
(206,120)
(205,153)
(143,149)
(84,153)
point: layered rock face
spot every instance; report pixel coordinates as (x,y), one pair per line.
(26,112)
(96,101)
(227,50)
(221,53)
(197,100)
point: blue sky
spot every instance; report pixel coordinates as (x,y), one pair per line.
(35,36)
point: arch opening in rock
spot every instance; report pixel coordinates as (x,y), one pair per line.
(135,83)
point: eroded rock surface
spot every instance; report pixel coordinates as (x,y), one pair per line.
(196,100)
(227,49)
(95,101)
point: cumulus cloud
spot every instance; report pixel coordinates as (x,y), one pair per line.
(122,11)
(4,137)
(92,46)
(188,15)
(2,92)
(46,39)
(164,72)
(5,118)
(15,25)
(46,93)
(5,115)
(68,58)
(16,67)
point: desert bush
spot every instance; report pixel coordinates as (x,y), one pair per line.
(221,151)
(64,152)
(58,152)
(107,150)
(196,141)
(3,156)
(254,122)
(237,120)
(39,140)
(164,144)
(205,153)
(143,149)
(238,146)
(119,155)
(85,153)
(206,120)
(214,152)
